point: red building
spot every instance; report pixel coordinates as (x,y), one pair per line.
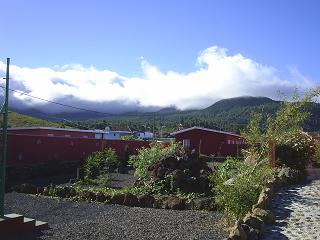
(40,145)
(53,132)
(209,141)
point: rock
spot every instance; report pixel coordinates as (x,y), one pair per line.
(178,180)
(174,203)
(229,182)
(237,232)
(170,162)
(205,203)
(254,234)
(146,200)
(246,228)
(117,199)
(45,191)
(187,174)
(264,200)
(253,221)
(65,192)
(101,197)
(88,195)
(26,188)
(203,184)
(130,200)
(265,215)
(40,190)
(161,172)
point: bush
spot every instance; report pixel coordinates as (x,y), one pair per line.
(130,137)
(237,186)
(316,155)
(148,156)
(295,150)
(99,162)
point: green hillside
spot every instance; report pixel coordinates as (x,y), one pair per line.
(229,114)
(21,120)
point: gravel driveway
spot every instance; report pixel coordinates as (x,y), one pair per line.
(81,220)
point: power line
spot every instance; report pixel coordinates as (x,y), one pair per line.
(57,103)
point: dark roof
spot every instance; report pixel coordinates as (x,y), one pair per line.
(203,129)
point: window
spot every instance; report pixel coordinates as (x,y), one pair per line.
(50,135)
(186,143)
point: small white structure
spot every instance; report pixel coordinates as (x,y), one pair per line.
(117,134)
(144,135)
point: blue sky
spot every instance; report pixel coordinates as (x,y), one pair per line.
(170,36)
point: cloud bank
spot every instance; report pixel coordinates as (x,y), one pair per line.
(218,76)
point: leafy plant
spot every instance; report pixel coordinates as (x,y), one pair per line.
(148,156)
(99,162)
(130,137)
(294,147)
(237,186)
(295,150)
(316,155)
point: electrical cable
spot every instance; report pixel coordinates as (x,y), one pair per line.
(57,103)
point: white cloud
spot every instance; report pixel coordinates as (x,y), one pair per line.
(218,76)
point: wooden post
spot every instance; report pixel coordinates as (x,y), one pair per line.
(272,153)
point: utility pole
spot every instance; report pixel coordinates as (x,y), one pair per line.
(4,111)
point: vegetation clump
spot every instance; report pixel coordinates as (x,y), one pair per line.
(147,156)
(236,186)
(98,163)
(294,147)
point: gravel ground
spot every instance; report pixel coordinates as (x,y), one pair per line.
(81,220)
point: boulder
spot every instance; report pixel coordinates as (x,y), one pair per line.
(26,188)
(265,215)
(264,200)
(174,203)
(88,195)
(178,180)
(146,200)
(237,232)
(253,221)
(254,234)
(101,197)
(130,200)
(205,203)
(170,162)
(40,190)
(117,199)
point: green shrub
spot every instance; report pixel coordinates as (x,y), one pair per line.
(130,137)
(295,149)
(98,162)
(148,156)
(316,155)
(237,186)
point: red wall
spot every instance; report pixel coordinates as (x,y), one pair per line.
(45,132)
(211,142)
(28,150)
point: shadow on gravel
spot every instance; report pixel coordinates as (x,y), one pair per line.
(281,203)
(27,236)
